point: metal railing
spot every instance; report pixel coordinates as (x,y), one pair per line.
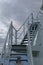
(21,32)
(15,37)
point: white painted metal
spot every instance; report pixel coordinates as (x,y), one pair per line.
(19,34)
(29,49)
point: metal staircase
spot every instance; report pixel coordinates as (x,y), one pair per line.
(18,43)
(33,31)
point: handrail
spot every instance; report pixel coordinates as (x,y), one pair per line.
(23,23)
(14,28)
(20,34)
(16,33)
(4,47)
(5,41)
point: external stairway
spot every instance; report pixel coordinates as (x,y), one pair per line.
(18,43)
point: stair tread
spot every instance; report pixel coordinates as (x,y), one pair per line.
(19,48)
(18,54)
(17,59)
(18,45)
(25,40)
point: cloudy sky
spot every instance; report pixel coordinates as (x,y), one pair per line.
(16,11)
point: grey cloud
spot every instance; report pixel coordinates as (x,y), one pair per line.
(2,41)
(17,9)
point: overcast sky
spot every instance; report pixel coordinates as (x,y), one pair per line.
(17,11)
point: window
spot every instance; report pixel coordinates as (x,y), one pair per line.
(35,53)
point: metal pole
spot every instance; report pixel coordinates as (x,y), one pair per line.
(24,29)
(32,17)
(15,36)
(11,37)
(10,40)
(29,49)
(11,34)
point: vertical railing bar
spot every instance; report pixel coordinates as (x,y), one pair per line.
(16,37)
(29,49)
(32,17)
(11,34)
(3,50)
(28,24)
(9,43)
(24,29)
(4,47)
(10,39)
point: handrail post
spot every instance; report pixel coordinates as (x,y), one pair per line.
(24,29)
(29,49)
(11,34)
(15,36)
(28,24)
(10,39)
(32,17)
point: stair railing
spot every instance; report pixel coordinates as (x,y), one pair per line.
(34,32)
(9,41)
(21,32)
(14,37)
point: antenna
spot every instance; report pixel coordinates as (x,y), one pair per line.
(42,5)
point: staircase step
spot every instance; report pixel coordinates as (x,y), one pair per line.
(31,37)
(26,37)
(25,40)
(17,54)
(24,43)
(31,33)
(19,48)
(16,60)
